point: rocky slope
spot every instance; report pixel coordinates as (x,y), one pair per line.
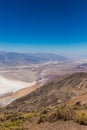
(51,94)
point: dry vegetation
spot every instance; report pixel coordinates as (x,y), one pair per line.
(20,120)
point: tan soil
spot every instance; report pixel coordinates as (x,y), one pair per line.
(59,125)
(82,98)
(25,91)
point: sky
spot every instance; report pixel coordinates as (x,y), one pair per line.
(57,26)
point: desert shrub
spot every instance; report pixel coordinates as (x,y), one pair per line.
(45,111)
(63,113)
(2,118)
(10,116)
(41,119)
(52,116)
(78,103)
(28,115)
(81,117)
(85,106)
(9,124)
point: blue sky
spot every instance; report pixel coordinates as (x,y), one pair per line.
(58,26)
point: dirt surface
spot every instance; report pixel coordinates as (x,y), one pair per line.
(59,125)
(82,98)
(25,91)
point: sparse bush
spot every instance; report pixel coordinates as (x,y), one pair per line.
(78,103)
(45,111)
(81,117)
(15,121)
(85,106)
(10,124)
(2,118)
(64,114)
(42,119)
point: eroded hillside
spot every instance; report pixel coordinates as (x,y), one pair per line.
(56,92)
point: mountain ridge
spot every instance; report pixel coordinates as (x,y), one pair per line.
(53,93)
(15,59)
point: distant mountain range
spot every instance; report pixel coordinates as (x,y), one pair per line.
(15,59)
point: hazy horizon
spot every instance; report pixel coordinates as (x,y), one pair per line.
(47,52)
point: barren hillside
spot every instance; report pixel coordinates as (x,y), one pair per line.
(53,93)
